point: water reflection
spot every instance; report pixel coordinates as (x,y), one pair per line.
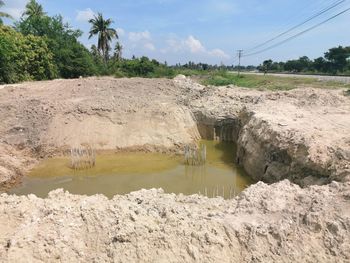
(127,172)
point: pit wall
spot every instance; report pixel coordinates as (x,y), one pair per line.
(262,152)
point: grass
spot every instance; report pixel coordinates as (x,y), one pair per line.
(224,78)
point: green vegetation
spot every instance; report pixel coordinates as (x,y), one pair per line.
(41,47)
(335,61)
(140,67)
(118,52)
(71,58)
(101,28)
(269,82)
(24,57)
(33,9)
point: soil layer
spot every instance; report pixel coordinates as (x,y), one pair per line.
(301,135)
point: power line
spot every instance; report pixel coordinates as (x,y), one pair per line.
(337,3)
(297,35)
(296,16)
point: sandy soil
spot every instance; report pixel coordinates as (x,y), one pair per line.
(297,134)
(108,114)
(301,135)
(277,223)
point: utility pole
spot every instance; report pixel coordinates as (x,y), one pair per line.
(240,53)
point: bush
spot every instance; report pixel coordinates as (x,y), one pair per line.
(24,57)
(75,61)
(142,67)
(70,56)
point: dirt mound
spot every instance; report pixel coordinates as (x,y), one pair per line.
(106,113)
(281,222)
(302,134)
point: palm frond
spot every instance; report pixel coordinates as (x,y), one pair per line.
(2,14)
(105,34)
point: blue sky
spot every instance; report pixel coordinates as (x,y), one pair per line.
(205,30)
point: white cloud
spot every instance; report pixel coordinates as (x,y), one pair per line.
(141,40)
(194,45)
(16,13)
(84,15)
(224,7)
(219,53)
(15,8)
(149,46)
(120,31)
(174,45)
(139,36)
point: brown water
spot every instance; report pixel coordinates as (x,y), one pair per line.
(123,173)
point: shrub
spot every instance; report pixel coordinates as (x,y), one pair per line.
(24,57)
(71,58)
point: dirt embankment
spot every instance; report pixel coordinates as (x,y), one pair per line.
(302,135)
(276,223)
(45,118)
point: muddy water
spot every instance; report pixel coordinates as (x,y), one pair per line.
(126,172)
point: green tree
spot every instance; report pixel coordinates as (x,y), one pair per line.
(338,58)
(320,64)
(76,61)
(24,57)
(71,57)
(118,51)
(3,14)
(34,9)
(105,34)
(267,65)
(293,66)
(304,63)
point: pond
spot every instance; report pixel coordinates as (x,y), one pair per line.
(121,173)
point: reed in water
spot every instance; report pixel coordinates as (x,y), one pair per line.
(194,156)
(82,158)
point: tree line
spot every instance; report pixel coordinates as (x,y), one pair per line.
(335,61)
(41,47)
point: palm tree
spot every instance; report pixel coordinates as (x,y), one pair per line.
(34,9)
(2,14)
(101,27)
(118,51)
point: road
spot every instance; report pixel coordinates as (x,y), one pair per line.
(319,77)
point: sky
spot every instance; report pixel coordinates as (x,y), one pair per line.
(208,31)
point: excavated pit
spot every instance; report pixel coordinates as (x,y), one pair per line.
(261,158)
(301,135)
(122,173)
